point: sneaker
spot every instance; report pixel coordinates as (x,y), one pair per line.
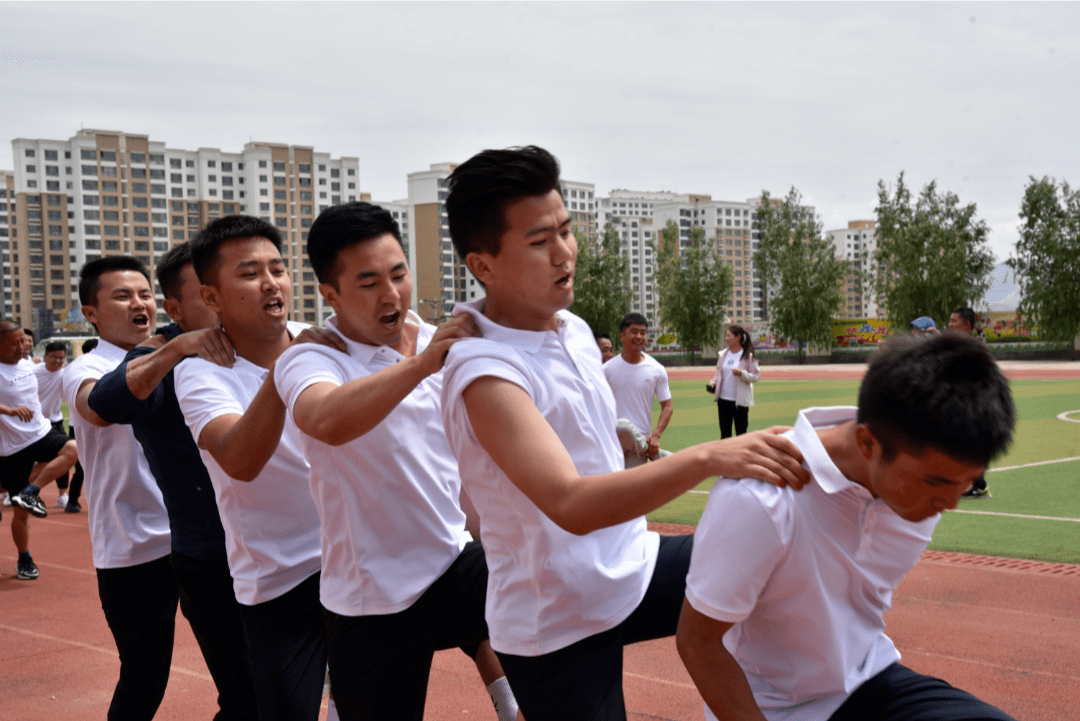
(27,570)
(30,502)
(73,507)
(7,500)
(61,501)
(977,493)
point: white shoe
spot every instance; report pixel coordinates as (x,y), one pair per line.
(7,500)
(61,501)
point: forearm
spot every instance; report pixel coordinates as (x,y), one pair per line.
(332,418)
(667,408)
(146,372)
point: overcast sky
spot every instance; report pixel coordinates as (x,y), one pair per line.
(726,99)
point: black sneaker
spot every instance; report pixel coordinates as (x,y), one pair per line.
(31,503)
(72,507)
(27,570)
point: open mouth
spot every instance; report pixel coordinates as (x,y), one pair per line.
(274,306)
(391,318)
(141,320)
(565,280)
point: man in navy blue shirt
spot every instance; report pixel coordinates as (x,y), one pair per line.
(140,392)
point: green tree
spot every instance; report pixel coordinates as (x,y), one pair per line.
(694,285)
(601,282)
(801,272)
(932,256)
(1047,261)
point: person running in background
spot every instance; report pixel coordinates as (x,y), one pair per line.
(635,379)
(733,385)
(786,596)
(26,438)
(963,320)
(141,393)
(50,376)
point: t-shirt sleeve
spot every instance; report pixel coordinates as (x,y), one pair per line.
(203,394)
(113,400)
(737,545)
(662,390)
(471,359)
(301,367)
(74,376)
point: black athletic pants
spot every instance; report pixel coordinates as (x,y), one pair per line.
(77,477)
(286,645)
(729,412)
(583,682)
(900,694)
(209,604)
(62,481)
(140,607)
(379,665)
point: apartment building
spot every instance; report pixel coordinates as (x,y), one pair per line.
(106,192)
(7,210)
(856,245)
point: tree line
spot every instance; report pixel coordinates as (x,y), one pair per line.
(932,256)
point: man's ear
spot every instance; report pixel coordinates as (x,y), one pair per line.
(210,298)
(90,313)
(480,265)
(866,441)
(172,309)
(330,295)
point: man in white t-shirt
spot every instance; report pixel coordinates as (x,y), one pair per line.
(253,454)
(785,599)
(635,379)
(50,376)
(26,439)
(129,528)
(400,577)
(574,574)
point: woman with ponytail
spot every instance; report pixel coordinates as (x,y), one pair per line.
(733,385)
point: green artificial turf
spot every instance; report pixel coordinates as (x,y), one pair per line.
(1051,490)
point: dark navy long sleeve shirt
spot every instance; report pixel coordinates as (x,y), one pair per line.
(159,427)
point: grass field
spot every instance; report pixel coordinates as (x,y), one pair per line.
(994,526)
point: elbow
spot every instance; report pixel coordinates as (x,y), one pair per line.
(242,470)
(332,434)
(569,517)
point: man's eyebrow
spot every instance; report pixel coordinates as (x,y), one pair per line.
(942,479)
(372,273)
(547,228)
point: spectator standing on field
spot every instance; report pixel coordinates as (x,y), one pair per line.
(733,385)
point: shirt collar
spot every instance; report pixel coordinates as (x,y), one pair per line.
(109,351)
(529,341)
(815,458)
(365,352)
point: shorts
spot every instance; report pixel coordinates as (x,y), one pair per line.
(15,469)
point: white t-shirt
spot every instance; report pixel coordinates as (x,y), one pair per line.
(547,588)
(388,500)
(271,523)
(634,385)
(18,388)
(50,387)
(128,521)
(805,577)
(729,382)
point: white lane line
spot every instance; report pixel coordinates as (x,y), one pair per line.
(1065,416)
(661,680)
(97,649)
(45,564)
(1036,463)
(1015,515)
(1002,667)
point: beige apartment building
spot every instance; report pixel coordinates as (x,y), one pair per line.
(107,192)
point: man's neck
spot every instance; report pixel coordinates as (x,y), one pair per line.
(262,352)
(843,448)
(509,315)
(633,356)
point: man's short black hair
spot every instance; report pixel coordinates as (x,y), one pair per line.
(29,333)
(342,226)
(632,319)
(89,344)
(482,187)
(966,314)
(169,268)
(9,326)
(598,336)
(205,246)
(55,346)
(90,274)
(945,392)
